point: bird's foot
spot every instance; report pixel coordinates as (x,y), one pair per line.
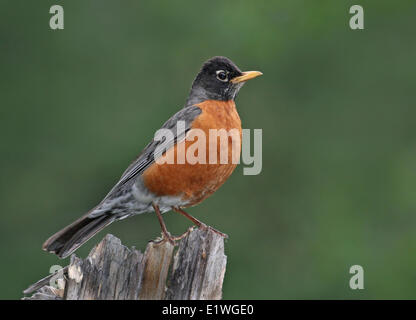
(173,239)
(198,223)
(203,226)
(166,237)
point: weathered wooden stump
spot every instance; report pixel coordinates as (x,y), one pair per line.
(193,270)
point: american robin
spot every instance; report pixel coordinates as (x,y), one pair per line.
(150,185)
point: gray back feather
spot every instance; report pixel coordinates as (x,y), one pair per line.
(148,156)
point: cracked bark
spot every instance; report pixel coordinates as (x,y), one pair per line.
(193,270)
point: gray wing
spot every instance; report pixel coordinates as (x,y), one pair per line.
(150,154)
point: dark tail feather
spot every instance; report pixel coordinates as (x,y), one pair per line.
(70,238)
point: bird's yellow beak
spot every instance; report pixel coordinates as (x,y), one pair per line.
(246,76)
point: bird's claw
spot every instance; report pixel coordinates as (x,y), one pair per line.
(206,227)
(167,237)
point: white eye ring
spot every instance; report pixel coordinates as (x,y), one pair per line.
(221,73)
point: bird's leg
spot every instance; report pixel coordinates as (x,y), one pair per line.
(198,223)
(165,232)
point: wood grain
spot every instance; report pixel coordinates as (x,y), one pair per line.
(194,269)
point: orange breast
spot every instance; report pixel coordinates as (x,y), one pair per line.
(195,182)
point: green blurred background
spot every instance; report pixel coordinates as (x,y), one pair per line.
(337,109)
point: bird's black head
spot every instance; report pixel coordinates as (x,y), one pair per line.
(218,79)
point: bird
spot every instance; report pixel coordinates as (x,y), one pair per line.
(149,185)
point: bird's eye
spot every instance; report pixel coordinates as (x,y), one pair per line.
(222,75)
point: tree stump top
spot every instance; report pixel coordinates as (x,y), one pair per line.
(194,269)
